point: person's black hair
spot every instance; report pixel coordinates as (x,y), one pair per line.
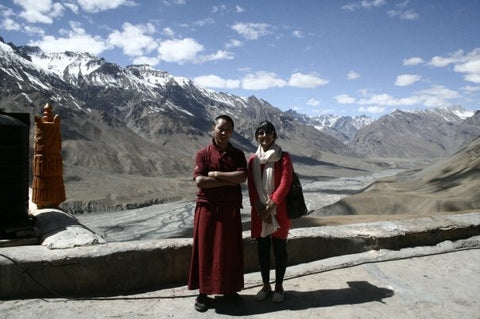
(226,118)
(267,127)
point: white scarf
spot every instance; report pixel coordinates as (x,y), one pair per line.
(265,184)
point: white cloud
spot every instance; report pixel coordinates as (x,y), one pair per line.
(220,8)
(239,9)
(401,11)
(262,80)
(39,11)
(344,99)
(463,63)
(471,68)
(372,109)
(441,62)
(34,30)
(72,6)
(173,2)
(152,61)
(313,102)
(306,80)
(407,79)
(168,32)
(188,51)
(470,88)
(6,12)
(134,39)
(364,4)
(440,92)
(179,51)
(383,100)
(352,75)
(203,22)
(297,34)
(36,17)
(76,40)
(10,25)
(251,31)
(350,7)
(233,43)
(371,3)
(409,15)
(475,78)
(435,96)
(219,55)
(95,6)
(214,81)
(412,61)
(404,14)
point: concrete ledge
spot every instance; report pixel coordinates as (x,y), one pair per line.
(127,267)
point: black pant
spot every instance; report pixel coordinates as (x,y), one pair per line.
(281,258)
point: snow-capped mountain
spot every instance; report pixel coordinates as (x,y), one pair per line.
(343,128)
(136,112)
(417,134)
(138,121)
(334,121)
(449,114)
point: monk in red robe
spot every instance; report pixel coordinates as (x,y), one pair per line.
(217,253)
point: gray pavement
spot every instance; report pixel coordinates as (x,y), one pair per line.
(441,281)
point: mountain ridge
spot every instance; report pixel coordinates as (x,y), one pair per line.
(121,125)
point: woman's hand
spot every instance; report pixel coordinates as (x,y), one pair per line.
(270,206)
(260,208)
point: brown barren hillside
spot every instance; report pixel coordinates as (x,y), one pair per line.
(450,185)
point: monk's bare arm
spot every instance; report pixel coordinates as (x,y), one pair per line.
(218,179)
(235,177)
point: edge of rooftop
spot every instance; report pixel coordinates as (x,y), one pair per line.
(119,268)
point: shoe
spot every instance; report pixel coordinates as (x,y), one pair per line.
(202,303)
(262,295)
(278,297)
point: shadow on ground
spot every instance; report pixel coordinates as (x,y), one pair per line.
(357,293)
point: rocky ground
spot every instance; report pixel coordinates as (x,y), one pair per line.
(175,219)
(341,190)
(420,282)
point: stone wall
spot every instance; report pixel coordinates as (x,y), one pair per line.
(128,267)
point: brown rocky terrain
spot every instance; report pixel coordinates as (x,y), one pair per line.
(449,185)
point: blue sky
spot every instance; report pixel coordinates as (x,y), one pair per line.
(344,57)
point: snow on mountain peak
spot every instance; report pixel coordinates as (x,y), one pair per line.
(149,74)
(462,113)
(73,64)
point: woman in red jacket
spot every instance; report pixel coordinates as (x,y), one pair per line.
(269,178)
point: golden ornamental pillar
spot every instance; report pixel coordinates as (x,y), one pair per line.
(48,187)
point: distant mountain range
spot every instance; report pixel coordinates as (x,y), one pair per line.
(136,120)
(343,128)
(449,185)
(419,134)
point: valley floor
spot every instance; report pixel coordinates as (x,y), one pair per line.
(175,219)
